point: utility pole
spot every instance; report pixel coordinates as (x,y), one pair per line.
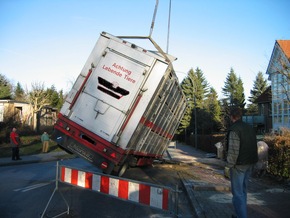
(195,124)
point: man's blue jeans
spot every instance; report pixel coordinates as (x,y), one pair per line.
(239,181)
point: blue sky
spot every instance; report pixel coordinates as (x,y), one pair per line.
(49,40)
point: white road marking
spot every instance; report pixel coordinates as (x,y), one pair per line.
(31,187)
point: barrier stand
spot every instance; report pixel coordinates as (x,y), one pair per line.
(55,190)
(146,194)
(142,193)
(176,200)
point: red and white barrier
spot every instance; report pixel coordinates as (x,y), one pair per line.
(125,189)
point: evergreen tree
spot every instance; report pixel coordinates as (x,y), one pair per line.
(56,98)
(230,85)
(225,114)
(52,95)
(195,87)
(60,100)
(234,90)
(213,108)
(260,85)
(5,88)
(240,95)
(185,121)
(188,88)
(19,93)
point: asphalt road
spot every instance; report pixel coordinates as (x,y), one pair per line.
(26,190)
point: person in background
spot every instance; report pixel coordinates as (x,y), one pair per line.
(15,143)
(242,155)
(45,142)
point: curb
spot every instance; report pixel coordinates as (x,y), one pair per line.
(196,207)
(204,186)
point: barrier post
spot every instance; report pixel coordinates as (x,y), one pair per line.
(56,189)
(176,201)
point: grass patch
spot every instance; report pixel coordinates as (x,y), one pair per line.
(30,145)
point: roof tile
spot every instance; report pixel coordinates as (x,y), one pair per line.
(285,46)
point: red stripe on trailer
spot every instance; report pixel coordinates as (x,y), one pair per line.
(105,183)
(144,194)
(80,90)
(123,189)
(165,199)
(155,128)
(74,177)
(131,112)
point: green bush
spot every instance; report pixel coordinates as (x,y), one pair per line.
(279,153)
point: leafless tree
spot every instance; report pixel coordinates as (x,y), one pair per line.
(38,98)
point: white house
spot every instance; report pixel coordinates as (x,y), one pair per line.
(22,112)
(15,110)
(279,75)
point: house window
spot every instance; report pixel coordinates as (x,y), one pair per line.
(280,119)
(275,108)
(280,109)
(286,120)
(274,86)
(286,107)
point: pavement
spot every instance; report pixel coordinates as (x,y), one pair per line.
(37,158)
(207,188)
(209,191)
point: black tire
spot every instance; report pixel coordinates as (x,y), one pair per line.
(119,171)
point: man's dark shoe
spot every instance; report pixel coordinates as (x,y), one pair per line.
(19,159)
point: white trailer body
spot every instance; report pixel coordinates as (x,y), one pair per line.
(123,108)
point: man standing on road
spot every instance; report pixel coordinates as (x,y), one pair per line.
(15,143)
(242,156)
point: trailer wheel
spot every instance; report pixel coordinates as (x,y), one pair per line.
(119,171)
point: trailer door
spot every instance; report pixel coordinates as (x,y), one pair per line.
(110,93)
